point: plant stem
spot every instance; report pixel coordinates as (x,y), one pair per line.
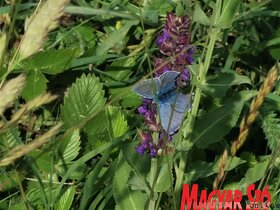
(203,69)
(153,179)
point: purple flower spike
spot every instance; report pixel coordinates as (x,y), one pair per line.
(174,44)
(161,66)
(162,38)
(185,75)
(178,28)
(153,151)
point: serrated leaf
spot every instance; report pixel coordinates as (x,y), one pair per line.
(36,84)
(201,169)
(218,122)
(126,198)
(50,62)
(199,16)
(106,126)
(65,201)
(229,10)
(83,98)
(218,86)
(69,146)
(271,128)
(11,138)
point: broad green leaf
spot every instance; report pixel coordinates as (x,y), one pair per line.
(114,38)
(83,98)
(65,201)
(128,99)
(106,126)
(199,16)
(140,165)
(156,7)
(69,146)
(165,178)
(126,198)
(218,122)
(229,10)
(50,62)
(44,161)
(201,169)
(252,175)
(36,84)
(218,86)
(150,16)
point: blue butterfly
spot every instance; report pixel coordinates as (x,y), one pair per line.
(172,104)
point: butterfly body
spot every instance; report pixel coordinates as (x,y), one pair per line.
(172,104)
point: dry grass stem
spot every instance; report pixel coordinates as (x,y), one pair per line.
(41,22)
(22,150)
(246,122)
(10,91)
(33,104)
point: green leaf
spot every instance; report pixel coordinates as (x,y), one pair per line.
(126,198)
(140,165)
(165,178)
(271,129)
(65,201)
(218,86)
(129,99)
(69,146)
(252,175)
(200,17)
(106,126)
(229,10)
(119,70)
(84,98)
(50,62)
(10,138)
(44,161)
(201,169)
(115,37)
(36,84)
(218,122)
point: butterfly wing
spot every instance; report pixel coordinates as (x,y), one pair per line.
(167,82)
(147,88)
(172,111)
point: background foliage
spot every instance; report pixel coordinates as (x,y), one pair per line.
(68,124)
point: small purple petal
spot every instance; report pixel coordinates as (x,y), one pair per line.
(140,149)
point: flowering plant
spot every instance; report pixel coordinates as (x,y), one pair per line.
(176,55)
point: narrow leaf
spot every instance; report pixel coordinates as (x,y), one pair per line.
(229,10)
